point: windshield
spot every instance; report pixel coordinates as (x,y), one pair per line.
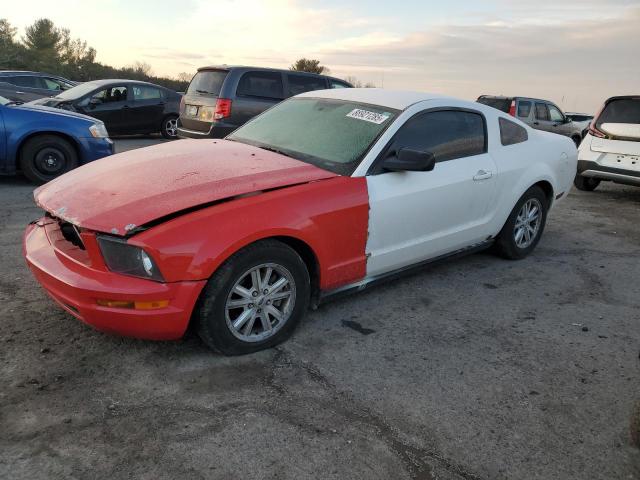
(328,133)
(207,82)
(4,101)
(77,91)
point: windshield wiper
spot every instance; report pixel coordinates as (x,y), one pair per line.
(276,150)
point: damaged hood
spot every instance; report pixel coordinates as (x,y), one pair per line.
(119,193)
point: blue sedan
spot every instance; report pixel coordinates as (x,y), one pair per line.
(44,142)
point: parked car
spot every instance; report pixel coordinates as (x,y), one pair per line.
(44,143)
(125,106)
(220,99)
(538,114)
(611,149)
(19,86)
(582,119)
(328,192)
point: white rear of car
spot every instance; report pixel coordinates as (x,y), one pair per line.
(611,149)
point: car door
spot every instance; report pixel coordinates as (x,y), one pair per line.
(415,216)
(559,123)
(110,105)
(256,92)
(542,120)
(525,112)
(146,109)
(28,88)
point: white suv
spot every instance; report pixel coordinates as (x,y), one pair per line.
(611,148)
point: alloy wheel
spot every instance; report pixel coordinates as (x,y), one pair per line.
(260,302)
(528,223)
(171,127)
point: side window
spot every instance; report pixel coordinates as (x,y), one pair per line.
(448,134)
(511,133)
(303,83)
(27,81)
(524,109)
(146,93)
(337,84)
(55,84)
(554,114)
(110,95)
(542,112)
(261,84)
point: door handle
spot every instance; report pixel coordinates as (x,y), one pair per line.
(536,123)
(19,93)
(482,175)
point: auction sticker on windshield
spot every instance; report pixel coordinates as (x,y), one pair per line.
(368,116)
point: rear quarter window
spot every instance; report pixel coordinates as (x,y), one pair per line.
(261,84)
(511,133)
(303,83)
(524,109)
(502,104)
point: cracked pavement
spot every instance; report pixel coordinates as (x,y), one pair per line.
(478,368)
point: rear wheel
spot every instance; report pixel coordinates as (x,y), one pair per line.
(577,139)
(586,184)
(46,157)
(255,299)
(170,127)
(523,229)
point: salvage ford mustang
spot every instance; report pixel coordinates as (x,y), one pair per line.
(325,193)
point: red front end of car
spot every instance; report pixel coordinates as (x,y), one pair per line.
(77,279)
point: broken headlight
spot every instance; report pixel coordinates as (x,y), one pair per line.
(127,259)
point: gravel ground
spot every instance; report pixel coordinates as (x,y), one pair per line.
(479,368)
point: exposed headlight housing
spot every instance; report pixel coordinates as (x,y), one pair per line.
(98,130)
(121,257)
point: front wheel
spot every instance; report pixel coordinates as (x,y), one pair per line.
(45,157)
(254,300)
(586,184)
(523,229)
(170,127)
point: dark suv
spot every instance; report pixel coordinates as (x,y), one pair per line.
(538,114)
(23,87)
(220,99)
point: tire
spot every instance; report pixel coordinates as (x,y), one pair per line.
(169,129)
(586,184)
(46,157)
(214,321)
(515,241)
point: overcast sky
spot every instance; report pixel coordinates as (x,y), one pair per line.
(574,52)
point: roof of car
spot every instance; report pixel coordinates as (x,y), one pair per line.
(266,69)
(108,81)
(396,99)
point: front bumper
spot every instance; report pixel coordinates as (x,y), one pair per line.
(96,148)
(588,168)
(76,287)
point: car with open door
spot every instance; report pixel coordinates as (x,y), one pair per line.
(325,193)
(126,107)
(610,151)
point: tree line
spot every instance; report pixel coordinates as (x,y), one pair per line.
(47,48)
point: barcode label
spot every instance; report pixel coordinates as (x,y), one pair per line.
(368,116)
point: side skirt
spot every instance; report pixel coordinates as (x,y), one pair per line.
(368,282)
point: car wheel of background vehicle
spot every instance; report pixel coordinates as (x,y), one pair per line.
(46,157)
(523,229)
(586,184)
(254,300)
(170,127)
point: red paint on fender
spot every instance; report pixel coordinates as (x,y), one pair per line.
(133,188)
(330,216)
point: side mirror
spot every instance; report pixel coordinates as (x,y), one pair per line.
(407,160)
(567,120)
(95,101)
